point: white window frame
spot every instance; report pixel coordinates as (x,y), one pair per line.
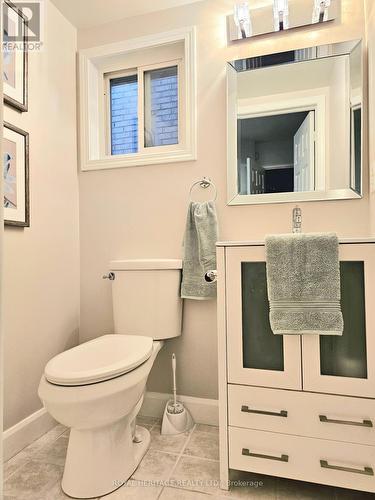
(94,74)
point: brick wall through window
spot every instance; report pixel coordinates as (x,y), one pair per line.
(124,115)
(160,110)
(161,107)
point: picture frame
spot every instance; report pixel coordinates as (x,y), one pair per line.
(16,176)
(15,61)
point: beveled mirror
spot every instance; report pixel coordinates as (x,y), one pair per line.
(295,125)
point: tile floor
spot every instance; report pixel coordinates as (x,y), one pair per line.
(188,462)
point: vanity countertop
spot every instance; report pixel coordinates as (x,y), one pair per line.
(261,242)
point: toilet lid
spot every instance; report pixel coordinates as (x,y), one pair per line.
(100,359)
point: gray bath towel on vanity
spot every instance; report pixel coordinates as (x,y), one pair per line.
(199,251)
(303,281)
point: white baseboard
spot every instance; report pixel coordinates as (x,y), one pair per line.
(22,434)
(203,411)
(16,438)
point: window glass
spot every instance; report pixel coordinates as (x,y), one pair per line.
(124,115)
(161,107)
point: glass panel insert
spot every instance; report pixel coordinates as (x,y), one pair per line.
(262,349)
(161,107)
(345,356)
(124,115)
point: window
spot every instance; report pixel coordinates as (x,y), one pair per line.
(124,115)
(138,101)
(155,104)
(161,107)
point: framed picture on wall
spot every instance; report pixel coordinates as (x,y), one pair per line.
(16,176)
(15,77)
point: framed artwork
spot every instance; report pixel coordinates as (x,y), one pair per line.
(16,176)
(14,57)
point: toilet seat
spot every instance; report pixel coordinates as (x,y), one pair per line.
(101,359)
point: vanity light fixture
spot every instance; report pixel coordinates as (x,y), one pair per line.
(320,12)
(281,15)
(277,16)
(242,19)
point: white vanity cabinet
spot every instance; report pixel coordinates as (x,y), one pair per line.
(301,407)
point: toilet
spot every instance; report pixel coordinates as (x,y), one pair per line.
(97,388)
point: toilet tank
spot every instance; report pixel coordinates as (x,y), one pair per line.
(146,297)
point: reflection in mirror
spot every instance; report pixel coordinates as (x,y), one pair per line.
(276,153)
(356,99)
(295,125)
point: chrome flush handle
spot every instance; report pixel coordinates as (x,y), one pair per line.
(110,276)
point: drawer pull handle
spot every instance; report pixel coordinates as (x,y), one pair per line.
(364,423)
(282,413)
(367,471)
(248,453)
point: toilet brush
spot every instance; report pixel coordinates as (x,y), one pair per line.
(176,418)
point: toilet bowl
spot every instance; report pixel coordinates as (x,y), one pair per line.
(104,447)
(97,388)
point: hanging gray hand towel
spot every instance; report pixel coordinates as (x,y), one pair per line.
(303,281)
(199,251)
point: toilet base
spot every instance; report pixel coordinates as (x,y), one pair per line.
(100,460)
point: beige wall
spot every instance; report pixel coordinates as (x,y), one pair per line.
(41,271)
(140,212)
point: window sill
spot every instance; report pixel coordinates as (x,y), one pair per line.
(139,159)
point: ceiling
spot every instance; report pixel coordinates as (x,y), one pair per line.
(271,128)
(88,13)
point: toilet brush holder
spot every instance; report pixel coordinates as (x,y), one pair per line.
(176,419)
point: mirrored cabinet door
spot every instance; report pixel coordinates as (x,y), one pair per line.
(255,355)
(346,364)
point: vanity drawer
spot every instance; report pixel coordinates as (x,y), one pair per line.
(302,413)
(346,465)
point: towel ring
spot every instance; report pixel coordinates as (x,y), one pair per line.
(204,183)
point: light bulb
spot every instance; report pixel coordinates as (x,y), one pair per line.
(280,15)
(320,11)
(242,19)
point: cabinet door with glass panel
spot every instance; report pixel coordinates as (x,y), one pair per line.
(255,355)
(346,364)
